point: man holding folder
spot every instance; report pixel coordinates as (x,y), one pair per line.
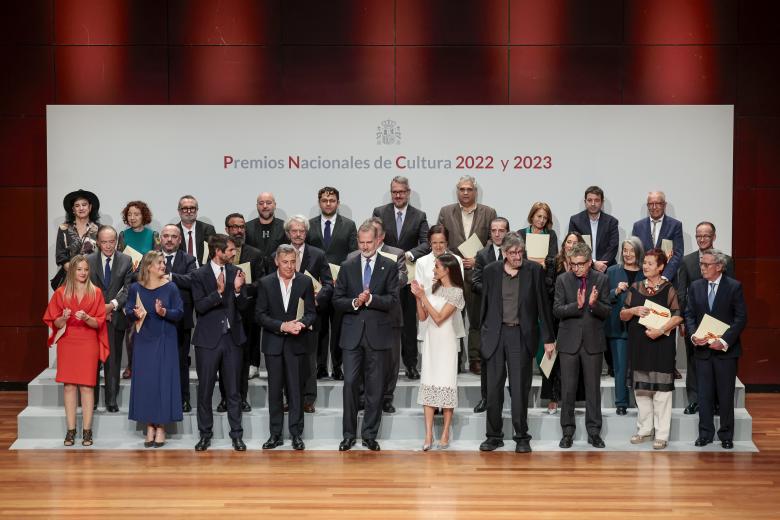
(717,343)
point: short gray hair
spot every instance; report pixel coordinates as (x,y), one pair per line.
(400,179)
(720,256)
(639,249)
(296,218)
(468,178)
(367,226)
(285,249)
(580,249)
(512,240)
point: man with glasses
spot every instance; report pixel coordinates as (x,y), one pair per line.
(656,228)
(194,232)
(582,305)
(688,273)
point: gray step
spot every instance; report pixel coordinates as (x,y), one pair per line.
(44,391)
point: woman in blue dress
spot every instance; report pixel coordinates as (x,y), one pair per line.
(153,307)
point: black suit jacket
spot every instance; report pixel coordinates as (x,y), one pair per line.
(257,265)
(183,265)
(343,238)
(581,327)
(214,309)
(671,229)
(270,313)
(533,308)
(728,307)
(268,246)
(374,320)
(689,272)
(316,264)
(122,275)
(485,257)
(202,233)
(607,236)
(414,233)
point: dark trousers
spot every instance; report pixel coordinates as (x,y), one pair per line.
(409,352)
(394,365)
(285,370)
(225,358)
(473,304)
(329,335)
(309,361)
(690,372)
(363,366)
(242,376)
(716,379)
(183,343)
(111,367)
(570,375)
(512,357)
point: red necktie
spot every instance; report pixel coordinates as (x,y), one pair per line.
(189,243)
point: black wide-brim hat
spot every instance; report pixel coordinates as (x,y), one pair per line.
(73,196)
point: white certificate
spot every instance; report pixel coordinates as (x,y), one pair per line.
(316,284)
(334,271)
(711,328)
(299,312)
(588,240)
(391,256)
(247,268)
(667,246)
(471,246)
(658,317)
(205,258)
(546,364)
(537,245)
(134,255)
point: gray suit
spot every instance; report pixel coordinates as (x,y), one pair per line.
(121,277)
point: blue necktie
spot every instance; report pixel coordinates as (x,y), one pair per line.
(367,274)
(107,273)
(399,223)
(168,263)
(326,235)
(711,295)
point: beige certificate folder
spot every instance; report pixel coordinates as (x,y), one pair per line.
(299,312)
(711,328)
(537,246)
(134,255)
(205,258)
(657,318)
(410,271)
(391,256)
(588,240)
(471,246)
(667,246)
(317,285)
(58,335)
(247,268)
(334,271)
(547,363)
(139,303)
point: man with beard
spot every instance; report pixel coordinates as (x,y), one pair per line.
(194,232)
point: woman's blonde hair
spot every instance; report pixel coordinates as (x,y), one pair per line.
(70,278)
(146,262)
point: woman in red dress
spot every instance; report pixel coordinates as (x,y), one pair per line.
(76,315)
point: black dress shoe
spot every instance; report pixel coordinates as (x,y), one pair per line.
(716,410)
(621,410)
(610,372)
(274,441)
(346,444)
(338,375)
(481,406)
(566,442)
(491,444)
(238,444)
(727,445)
(701,441)
(203,444)
(185,407)
(322,373)
(596,441)
(523,446)
(297,443)
(371,444)
(113,408)
(691,409)
(222,407)
(412,373)
(245,406)
(308,408)
(388,407)
(94,406)
(361,405)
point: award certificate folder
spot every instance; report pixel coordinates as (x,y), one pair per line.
(667,246)
(471,246)
(205,258)
(317,285)
(134,255)
(391,256)
(247,269)
(299,311)
(334,271)
(588,240)
(139,303)
(657,318)
(537,245)
(547,363)
(712,329)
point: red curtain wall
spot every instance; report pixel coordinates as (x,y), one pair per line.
(385,52)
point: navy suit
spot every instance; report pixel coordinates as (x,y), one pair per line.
(607,236)
(285,354)
(183,265)
(219,334)
(366,339)
(671,229)
(716,371)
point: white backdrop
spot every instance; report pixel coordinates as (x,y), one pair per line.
(226,155)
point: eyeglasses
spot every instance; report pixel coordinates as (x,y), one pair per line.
(236,226)
(188,209)
(399,192)
(706,265)
(577,265)
(513,253)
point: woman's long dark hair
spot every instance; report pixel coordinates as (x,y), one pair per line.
(449,261)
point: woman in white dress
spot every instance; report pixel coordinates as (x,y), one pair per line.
(441,311)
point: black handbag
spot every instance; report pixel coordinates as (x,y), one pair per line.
(58,279)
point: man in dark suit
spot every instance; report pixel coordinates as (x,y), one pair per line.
(285,341)
(499,227)
(366,291)
(601,227)
(112,272)
(193,231)
(581,304)
(179,265)
(716,357)
(407,229)
(688,273)
(337,236)
(514,298)
(463,219)
(219,296)
(658,227)
(391,374)
(311,260)
(245,254)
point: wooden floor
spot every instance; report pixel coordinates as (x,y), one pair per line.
(396,485)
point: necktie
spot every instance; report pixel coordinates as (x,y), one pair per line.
(399,223)
(499,256)
(655,223)
(189,243)
(326,235)
(367,274)
(711,295)
(583,283)
(298,260)
(107,273)
(168,263)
